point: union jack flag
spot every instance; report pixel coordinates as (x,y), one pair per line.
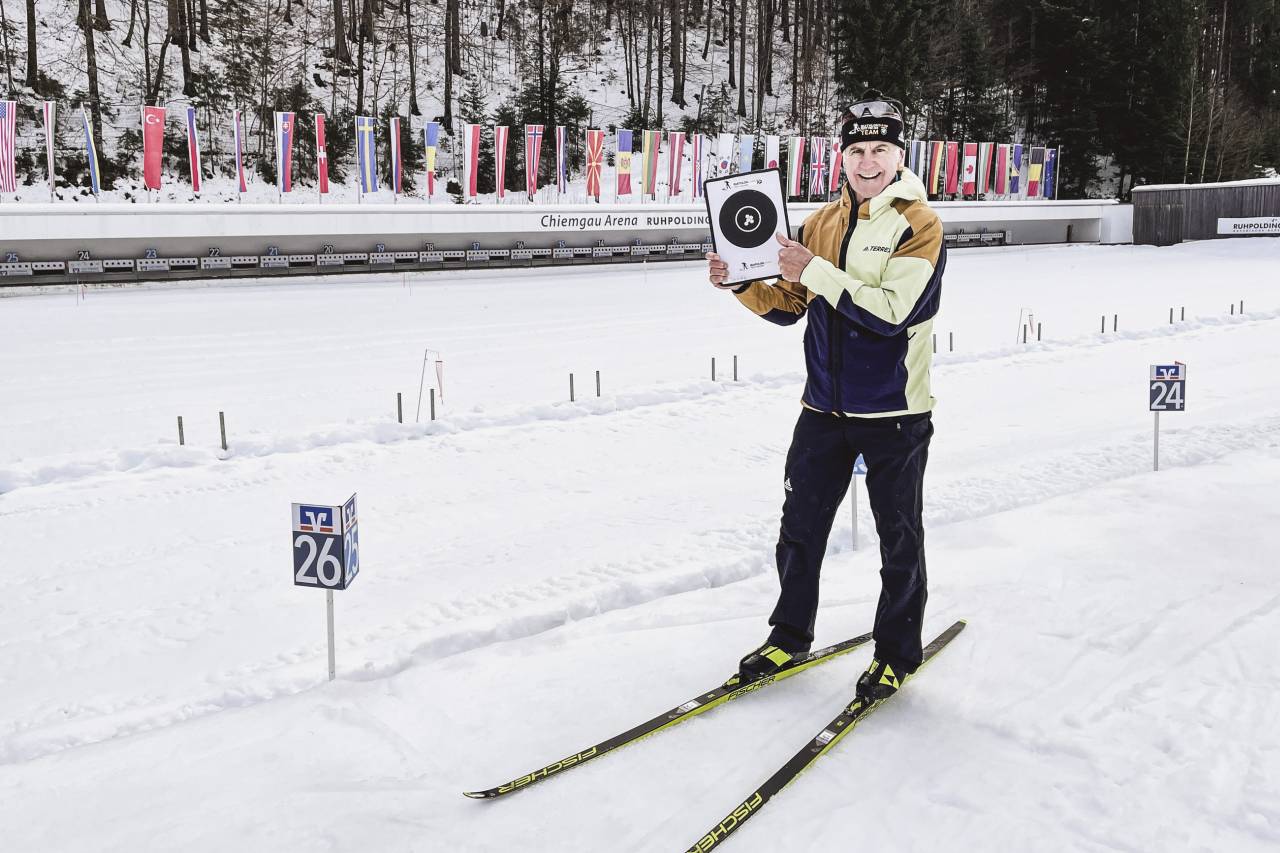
(8,144)
(817,165)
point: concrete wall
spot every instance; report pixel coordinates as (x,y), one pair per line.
(57,232)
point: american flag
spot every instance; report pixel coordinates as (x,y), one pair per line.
(8,134)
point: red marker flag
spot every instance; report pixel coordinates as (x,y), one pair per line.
(152,146)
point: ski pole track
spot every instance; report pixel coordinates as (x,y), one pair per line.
(254,445)
(517,612)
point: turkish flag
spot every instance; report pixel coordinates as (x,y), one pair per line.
(152,145)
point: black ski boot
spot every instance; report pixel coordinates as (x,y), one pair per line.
(880,681)
(764,661)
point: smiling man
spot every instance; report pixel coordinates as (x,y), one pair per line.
(867,270)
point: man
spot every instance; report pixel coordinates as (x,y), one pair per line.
(867,270)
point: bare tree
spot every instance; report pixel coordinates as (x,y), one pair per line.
(341,53)
(33,76)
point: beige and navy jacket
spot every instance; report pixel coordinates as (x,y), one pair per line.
(871,293)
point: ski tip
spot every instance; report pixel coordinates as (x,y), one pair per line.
(476,795)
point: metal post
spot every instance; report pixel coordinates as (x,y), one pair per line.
(570,387)
(935,343)
(735,368)
(329,609)
(1156,465)
(713,368)
(1170,316)
(1184,313)
(1024,333)
(1233,309)
(1104,324)
(1241,307)
(181,439)
(399,408)
(1115,322)
(597,383)
(952,336)
(433,404)
(1038,329)
(222,425)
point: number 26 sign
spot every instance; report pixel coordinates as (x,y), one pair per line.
(326,545)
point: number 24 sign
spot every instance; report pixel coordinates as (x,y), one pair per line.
(1168,387)
(326,545)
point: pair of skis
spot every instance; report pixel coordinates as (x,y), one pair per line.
(822,743)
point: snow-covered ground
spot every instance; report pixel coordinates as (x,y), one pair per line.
(539,574)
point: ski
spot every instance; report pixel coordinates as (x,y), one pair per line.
(727,692)
(830,735)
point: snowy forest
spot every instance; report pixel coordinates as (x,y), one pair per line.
(1136,92)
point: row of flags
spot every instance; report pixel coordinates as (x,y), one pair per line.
(813,163)
(984,168)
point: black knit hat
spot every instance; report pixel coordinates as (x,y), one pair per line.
(872,118)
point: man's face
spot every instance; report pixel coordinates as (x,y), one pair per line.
(871,166)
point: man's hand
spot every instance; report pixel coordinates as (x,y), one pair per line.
(718,271)
(793,257)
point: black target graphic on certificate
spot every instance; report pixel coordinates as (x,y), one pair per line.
(745,212)
(748,218)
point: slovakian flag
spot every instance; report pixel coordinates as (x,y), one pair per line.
(431,137)
(953,168)
(470,157)
(746,152)
(1035,169)
(193,150)
(675,160)
(367,153)
(696,153)
(649,163)
(91,152)
(562,159)
(532,158)
(624,162)
(152,146)
(8,146)
(795,165)
(50,114)
(284,152)
(397,162)
(833,165)
(237,132)
(1002,169)
(500,133)
(772,155)
(322,157)
(1015,169)
(595,162)
(969,183)
(1050,173)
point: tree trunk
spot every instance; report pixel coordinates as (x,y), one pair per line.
(91,62)
(677,46)
(742,63)
(33,76)
(101,22)
(729,34)
(204,22)
(4,28)
(341,53)
(413,60)
(659,27)
(133,17)
(710,24)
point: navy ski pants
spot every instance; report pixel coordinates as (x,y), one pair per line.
(819,468)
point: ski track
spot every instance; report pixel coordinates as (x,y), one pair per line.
(516,612)
(78,467)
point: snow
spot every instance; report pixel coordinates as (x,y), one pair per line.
(539,574)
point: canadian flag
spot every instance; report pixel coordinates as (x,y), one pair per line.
(970,168)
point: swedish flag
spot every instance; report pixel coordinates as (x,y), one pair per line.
(367,153)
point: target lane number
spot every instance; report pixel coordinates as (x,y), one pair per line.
(1168,387)
(326,545)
